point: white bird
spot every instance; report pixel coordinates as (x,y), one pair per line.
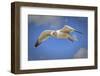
(63,33)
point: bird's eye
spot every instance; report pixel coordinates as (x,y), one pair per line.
(54,33)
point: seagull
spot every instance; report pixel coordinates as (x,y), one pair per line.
(63,33)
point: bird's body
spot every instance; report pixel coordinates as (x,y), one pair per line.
(63,33)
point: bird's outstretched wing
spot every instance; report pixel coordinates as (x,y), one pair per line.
(65,29)
(43,36)
(68,29)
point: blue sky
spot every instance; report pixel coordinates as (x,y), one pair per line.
(57,48)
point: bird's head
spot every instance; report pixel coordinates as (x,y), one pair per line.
(54,33)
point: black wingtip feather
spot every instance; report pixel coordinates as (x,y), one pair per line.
(37,44)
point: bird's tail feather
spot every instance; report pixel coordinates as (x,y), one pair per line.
(37,44)
(73,38)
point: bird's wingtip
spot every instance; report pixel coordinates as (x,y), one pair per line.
(36,44)
(78,32)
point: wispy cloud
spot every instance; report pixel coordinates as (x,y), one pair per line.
(82,53)
(43,20)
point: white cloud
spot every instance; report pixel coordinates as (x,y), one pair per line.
(82,53)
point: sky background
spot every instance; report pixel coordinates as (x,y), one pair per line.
(54,48)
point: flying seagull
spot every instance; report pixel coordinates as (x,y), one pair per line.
(63,33)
